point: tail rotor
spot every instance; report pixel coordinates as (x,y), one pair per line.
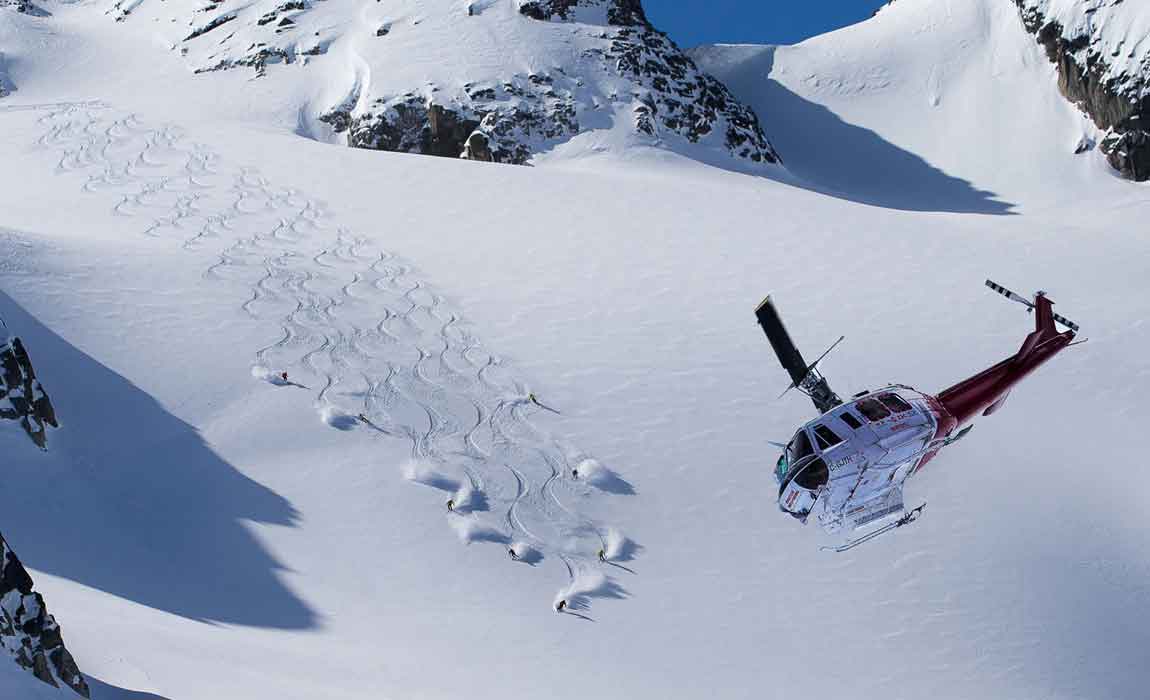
(1030,304)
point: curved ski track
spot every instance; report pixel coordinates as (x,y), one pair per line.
(416,373)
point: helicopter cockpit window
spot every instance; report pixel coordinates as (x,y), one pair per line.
(872,410)
(814,475)
(894,402)
(826,437)
(800,447)
(852,422)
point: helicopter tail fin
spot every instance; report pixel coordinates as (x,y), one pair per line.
(986,391)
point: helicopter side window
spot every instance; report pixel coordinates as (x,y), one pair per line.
(894,402)
(872,410)
(826,437)
(813,475)
(852,422)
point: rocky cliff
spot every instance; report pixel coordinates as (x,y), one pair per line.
(18,5)
(1103,58)
(22,398)
(495,80)
(28,632)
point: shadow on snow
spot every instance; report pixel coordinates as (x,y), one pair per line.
(836,158)
(106,691)
(131,500)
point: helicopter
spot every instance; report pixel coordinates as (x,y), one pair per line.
(847,467)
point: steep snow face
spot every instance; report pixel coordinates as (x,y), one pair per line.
(494,80)
(929,105)
(1102,50)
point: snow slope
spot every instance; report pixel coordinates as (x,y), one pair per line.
(201,531)
(929,105)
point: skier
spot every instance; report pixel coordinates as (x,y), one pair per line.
(283,376)
(575,473)
(561,606)
(603,555)
(511,553)
(451,505)
(533,399)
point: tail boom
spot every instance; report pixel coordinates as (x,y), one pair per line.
(985,392)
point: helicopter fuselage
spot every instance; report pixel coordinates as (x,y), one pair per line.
(848,466)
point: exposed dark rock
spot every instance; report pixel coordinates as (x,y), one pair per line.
(619,12)
(478,148)
(22,398)
(214,24)
(681,98)
(508,127)
(1118,104)
(28,632)
(26,7)
(20,6)
(447,132)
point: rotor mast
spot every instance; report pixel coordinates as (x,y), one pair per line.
(806,378)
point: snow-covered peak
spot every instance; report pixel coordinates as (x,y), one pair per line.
(502,80)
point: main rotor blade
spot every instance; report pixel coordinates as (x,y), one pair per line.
(789,356)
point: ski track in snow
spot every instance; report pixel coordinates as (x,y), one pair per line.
(417,372)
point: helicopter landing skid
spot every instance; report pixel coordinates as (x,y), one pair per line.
(907,519)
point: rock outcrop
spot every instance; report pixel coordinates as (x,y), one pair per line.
(22,398)
(1103,67)
(24,6)
(502,80)
(28,632)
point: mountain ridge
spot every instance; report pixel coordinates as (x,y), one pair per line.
(493,80)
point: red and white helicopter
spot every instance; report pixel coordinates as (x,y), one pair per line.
(848,466)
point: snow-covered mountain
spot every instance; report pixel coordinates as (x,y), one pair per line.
(277,363)
(1102,50)
(495,80)
(928,105)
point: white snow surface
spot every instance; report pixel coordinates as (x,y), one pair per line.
(200,533)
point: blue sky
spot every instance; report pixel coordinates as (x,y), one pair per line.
(694,22)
